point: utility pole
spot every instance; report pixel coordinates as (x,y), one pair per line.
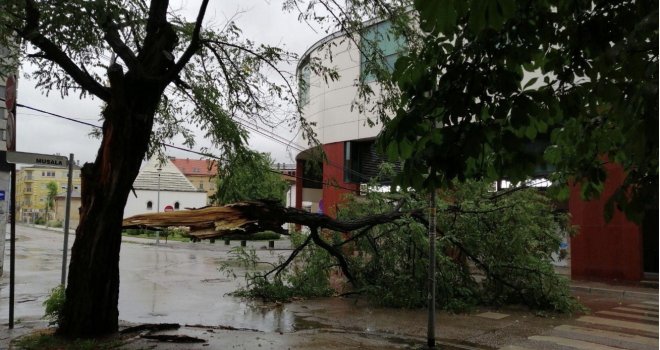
(158,204)
(67,216)
(431,295)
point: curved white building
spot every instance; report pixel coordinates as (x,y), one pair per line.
(344,133)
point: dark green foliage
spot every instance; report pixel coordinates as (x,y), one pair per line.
(53,305)
(492,248)
(250,177)
(308,277)
(502,89)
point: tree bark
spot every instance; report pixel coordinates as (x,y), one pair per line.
(92,293)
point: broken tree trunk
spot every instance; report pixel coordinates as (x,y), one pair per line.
(250,217)
(257,216)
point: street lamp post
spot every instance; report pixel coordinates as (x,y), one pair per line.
(158,205)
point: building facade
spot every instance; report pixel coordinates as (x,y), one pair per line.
(162,187)
(32,190)
(201,173)
(618,250)
(74,211)
(346,135)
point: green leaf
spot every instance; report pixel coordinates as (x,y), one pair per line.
(446,19)
(530,132)
(405,149)
(478,13)
(392,151)
(530,82)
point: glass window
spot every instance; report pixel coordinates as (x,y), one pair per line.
(379,46)
(303,84)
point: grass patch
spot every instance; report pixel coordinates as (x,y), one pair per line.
(47,340)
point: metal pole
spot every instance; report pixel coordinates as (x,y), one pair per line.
(12,246)
(66,219)
(431,295)
(158,206)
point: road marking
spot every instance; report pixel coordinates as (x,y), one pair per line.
(578,344)
(626,315)
(630,309)
(631,338)
(645,307)
(621,324)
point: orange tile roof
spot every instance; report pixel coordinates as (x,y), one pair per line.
(201,167)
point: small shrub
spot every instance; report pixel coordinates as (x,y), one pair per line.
(39,221)
(55,223)
(309,279)
(54,304)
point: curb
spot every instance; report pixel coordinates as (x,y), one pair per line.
(618,293)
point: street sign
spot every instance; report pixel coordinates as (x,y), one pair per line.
(36,159)
(2,195)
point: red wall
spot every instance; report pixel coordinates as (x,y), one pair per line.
(603,250)
(334,187)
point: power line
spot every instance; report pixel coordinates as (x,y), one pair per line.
(270,135)
(209,155)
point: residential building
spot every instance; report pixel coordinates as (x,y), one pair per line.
(619,249)
(162,187)
(32,190)
(201,173)
(74,212)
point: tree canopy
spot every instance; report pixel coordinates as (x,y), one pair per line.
(507,89)
(501,88)
(159,73)
(250,177)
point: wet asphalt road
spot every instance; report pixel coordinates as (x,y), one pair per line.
(179,283)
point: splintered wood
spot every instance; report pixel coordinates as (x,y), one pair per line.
(213,222)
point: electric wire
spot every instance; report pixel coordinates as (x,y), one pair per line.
(205,154)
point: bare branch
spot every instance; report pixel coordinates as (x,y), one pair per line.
(112,37)
(193,46)
(263,59)
(53,53)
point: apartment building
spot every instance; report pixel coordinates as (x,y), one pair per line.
(32,190)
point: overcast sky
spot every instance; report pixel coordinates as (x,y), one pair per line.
(262,21)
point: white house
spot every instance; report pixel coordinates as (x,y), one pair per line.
(162,187)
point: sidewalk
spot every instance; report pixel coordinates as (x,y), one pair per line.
(614,289)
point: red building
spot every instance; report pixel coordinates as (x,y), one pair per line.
(614,250)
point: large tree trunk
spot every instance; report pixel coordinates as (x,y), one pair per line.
(92,293)
(93,286)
